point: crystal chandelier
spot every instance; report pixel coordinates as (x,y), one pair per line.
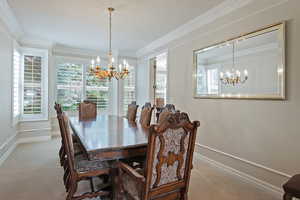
(233,77)
(110,71)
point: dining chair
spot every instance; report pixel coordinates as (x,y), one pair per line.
(165,112)
(62,151)
(169,162)
(87,110)
(81,169)
(131,112)
(160,102)
(170,107)
(147,105)
(146,114)
(292,188)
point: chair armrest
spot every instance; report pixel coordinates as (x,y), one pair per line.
(131,172)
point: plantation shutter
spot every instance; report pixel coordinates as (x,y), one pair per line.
(161,76)
(97,91)
(69,85)
(128,89)
(16,84)
(32,102)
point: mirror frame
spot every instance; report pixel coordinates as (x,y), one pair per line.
(282,96)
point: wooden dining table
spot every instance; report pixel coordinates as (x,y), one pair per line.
(110,137)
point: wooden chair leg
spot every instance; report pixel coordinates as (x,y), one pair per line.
(287,196)
(72,191)
(92,185)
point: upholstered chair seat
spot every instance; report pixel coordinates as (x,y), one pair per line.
(84,165)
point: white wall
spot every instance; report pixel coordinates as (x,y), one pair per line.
(143,82)
(259,138)
(6,50)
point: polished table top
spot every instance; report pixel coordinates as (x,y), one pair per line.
(109,132)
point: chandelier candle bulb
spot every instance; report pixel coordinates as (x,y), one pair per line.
(221,74)
(110,71)
(245,72)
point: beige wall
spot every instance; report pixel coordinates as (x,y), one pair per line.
(250,136)
(6,49)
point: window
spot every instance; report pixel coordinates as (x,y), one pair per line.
(74,86)
(128,89)
(160,76)
(32,85)
(69,85)
(16,85)
(35,84)
(97,91)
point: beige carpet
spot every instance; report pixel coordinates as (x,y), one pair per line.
(32,172)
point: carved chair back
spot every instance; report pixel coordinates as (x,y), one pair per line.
(66,136)
(69,144)
(59,113)
(169,157)
(146,114)
(160,102)
(167,110)
(170,107)
(147,105)
(131,112)
(87,110)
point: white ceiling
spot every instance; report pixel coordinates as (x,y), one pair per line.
(84,23)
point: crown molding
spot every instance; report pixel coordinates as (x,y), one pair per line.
(62,50)
(10,20)
(36,42)
(211,15)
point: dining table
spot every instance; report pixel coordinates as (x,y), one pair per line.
(110,137)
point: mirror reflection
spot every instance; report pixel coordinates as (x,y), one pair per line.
(251,66)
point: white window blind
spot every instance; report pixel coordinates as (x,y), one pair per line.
(128,89)
(97,91)
(69,85)
(16,84)
(161,76)
(32,101)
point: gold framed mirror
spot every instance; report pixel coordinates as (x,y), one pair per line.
(250,66)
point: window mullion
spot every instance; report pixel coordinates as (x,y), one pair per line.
(83,82)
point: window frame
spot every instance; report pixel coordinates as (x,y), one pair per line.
(123,109)
(43,53)
(112,97)
(85,62)
(153,65)
(16,118)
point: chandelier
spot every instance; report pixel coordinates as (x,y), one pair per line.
(233,77)
(110,71)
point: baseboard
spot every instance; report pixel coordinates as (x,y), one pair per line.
(7,148)
(245,161)
(24,140)
(277,192)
